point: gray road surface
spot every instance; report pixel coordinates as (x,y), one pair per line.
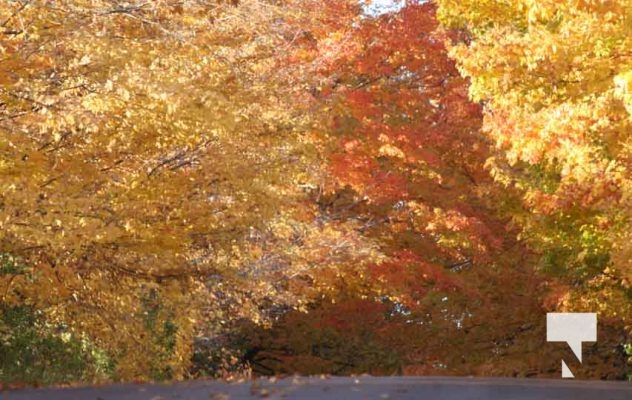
(363,387)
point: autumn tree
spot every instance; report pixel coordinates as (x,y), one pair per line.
(454,291)
(555,78)
(151,152)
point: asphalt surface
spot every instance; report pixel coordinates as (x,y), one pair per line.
(363,387)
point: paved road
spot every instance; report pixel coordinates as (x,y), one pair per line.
(364,387)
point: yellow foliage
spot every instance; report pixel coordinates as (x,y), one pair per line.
(555,77)
(131,163)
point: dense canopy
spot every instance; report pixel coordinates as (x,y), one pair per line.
(207,187)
